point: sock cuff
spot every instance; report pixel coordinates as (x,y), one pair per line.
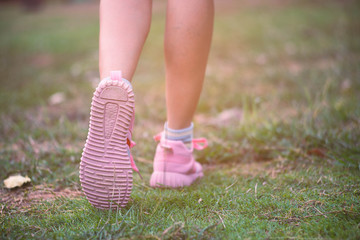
(184,134)
(183,130)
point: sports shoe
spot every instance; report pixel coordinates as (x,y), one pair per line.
(106,163)
(174,163)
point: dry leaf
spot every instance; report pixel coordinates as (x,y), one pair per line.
(57,98)
(232,116)
(227,117)
(345,85)
(261,59)
(16,181)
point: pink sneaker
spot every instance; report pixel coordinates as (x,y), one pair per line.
(174,164)
(106,162)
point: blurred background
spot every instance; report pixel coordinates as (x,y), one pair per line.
(282,81)
(280,109)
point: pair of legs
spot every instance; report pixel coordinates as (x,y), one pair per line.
(124,26)
(106,163)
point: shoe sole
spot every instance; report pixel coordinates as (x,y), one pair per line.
(105,169)
(172,179)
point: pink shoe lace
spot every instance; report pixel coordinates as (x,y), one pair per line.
(116,75)
(132,144)
(197,143)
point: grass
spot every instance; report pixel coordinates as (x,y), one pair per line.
(288,168)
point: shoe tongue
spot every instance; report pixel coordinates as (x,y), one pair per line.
(117,75)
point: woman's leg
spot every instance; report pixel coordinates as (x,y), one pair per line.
(124,26)
(106,161)
(189,26)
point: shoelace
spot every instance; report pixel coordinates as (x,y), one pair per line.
(132,144)
(197,143)
(117,75)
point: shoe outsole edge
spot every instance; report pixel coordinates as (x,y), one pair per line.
(105,168)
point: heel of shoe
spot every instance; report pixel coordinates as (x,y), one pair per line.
(172,180)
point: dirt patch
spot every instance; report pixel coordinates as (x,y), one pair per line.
(25,197)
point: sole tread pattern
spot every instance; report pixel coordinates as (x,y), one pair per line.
(105,169)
